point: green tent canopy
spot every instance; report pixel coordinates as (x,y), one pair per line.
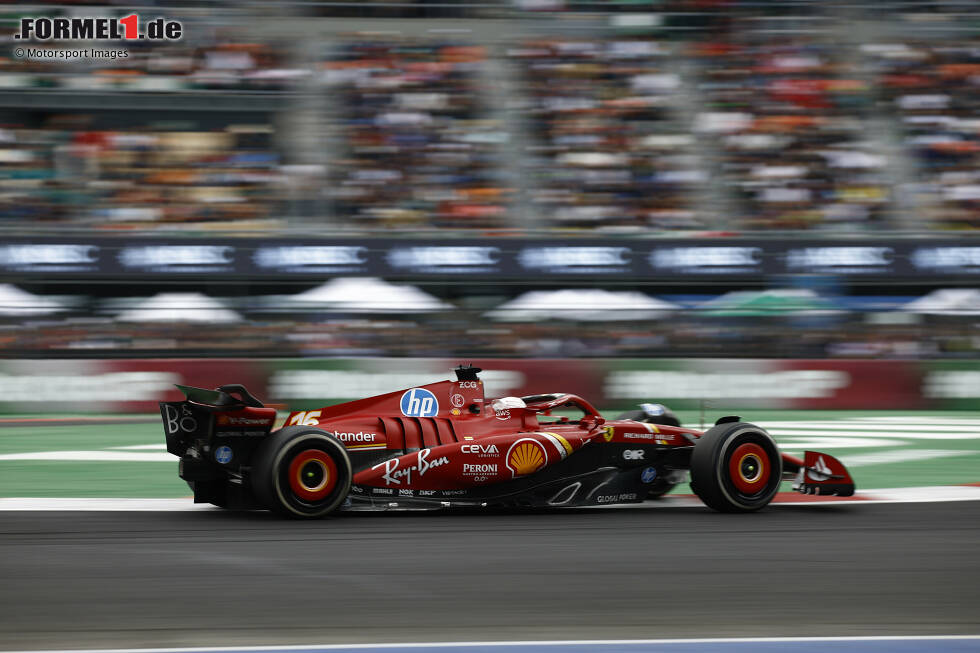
(750,303)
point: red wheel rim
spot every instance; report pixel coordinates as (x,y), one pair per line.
(749,468)
(312,475)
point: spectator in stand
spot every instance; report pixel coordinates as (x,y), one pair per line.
(419,149)
(934,89)
(612,151)
(793,145)
(72,172)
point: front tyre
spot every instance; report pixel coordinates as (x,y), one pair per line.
(736,467)
(301,472)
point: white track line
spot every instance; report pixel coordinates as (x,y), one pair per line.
(899,456)
(919,419)
(894,495)
(75,504)
(973,427)
(849,432)
(886,457)
(94,455)
(937,494)
(820,442)
(574,642)
(923,494)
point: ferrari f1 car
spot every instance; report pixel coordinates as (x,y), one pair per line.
(444,445)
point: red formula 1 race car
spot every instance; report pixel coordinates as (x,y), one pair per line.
(443,445)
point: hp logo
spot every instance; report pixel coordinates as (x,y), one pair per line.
(419,402)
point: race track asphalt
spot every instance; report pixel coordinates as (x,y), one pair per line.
(151,579)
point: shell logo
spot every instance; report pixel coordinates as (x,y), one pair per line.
(526,456)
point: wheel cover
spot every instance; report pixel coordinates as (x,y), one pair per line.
(312,475)
(749,468)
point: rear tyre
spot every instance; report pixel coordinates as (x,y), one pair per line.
(736,467)
(301,472)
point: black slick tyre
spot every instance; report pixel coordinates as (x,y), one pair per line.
(301,472)
(736,467)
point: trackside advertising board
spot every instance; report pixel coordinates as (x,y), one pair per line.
(136,385)
(708,260)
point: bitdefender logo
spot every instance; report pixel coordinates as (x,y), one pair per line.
(128,28)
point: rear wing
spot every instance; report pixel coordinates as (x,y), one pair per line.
(206,420)
(220,397)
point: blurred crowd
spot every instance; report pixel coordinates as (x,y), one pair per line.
(612,145)
(467,334)
(69,172)
(727,127)
(934,91)
(418,147)
(794,144)
(574,117)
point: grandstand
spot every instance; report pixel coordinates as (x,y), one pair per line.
(470,147)
(639,117)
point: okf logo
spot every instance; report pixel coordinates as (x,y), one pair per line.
(419,402)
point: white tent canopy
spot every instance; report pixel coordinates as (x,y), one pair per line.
(947,301)
(179,307)
(14,301)
(365,295)
(590,305)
